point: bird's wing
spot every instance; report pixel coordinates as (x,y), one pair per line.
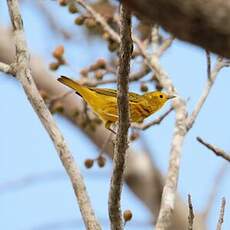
(133,97)
(104,91)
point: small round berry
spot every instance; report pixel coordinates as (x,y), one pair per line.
(113,46)
(134,136)
(58,52)
(89,163)
(101,161)
(90,23)
(72,8)
(144,87)
(158,86)
(63,2)
(101,63)
(54,66)
(127,215)
(79,20)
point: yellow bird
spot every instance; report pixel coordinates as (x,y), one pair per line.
(104,102)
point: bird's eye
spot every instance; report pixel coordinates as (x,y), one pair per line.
(161,96)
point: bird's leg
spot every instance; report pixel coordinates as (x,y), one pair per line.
(107,126)
(112,131)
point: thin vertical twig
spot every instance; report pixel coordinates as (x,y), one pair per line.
(208,56)
(221,215)
(123,121)
(207,89)
(190,213)
(23,74)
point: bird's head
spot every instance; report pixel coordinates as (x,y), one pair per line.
(158,98)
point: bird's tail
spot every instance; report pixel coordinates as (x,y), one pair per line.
(72,84)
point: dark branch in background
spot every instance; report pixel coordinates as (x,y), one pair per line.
(204,23)
(43,178)
(190,213)
(221,216)
(23,74)
(121,145)
(208,64)
(219,152)
(26,181)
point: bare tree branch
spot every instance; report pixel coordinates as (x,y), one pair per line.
(208,56)
(9,69)
(221,216)
(115,36)
(204,23)
(219,152)
(210,81)
(121,145)
(100,20)
(133,77)
(23,74)
(31,179)
(190,213)
(143,71)
(181,129)
(44,177)
(169,191)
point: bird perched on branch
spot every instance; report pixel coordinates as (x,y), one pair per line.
(104,102)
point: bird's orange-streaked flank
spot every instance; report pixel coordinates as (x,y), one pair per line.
(104,102)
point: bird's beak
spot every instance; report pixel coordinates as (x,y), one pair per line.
(170,97)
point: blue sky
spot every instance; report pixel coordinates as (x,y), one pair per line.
(26,149)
